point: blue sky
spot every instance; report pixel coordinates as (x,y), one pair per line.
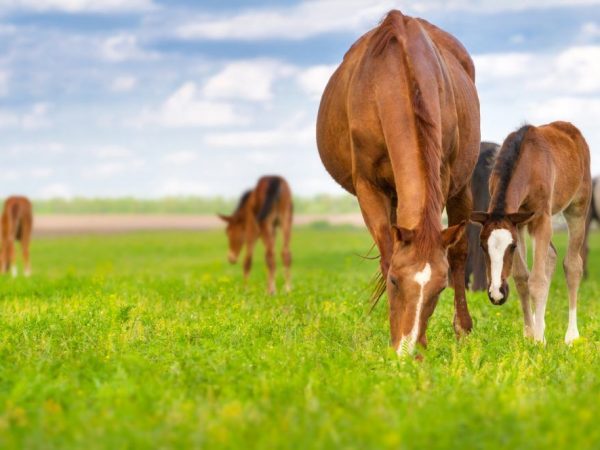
(150,98)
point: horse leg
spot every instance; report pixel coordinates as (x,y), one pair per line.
(286,254)
(520,274)
(544,260)
(375,208)
(10,261)
(585,248)
(268,236)
(25,240)
(459,210)
(250,241)
(573,264)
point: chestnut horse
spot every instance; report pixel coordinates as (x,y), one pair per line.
(539,172)
(258,214)
(481,200)
(17,224)
(398,127)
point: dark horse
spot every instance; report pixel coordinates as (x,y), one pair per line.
(17,224)
(398,127)
(593,215)
(481,200)
(258,214)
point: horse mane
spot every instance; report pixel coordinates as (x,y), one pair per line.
(506,161)
(242,202)
(428,233)
(272,194)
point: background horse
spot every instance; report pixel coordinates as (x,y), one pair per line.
(17,224)
(539,172)
(258,214)
(593,215)
(481,200)
(391,131)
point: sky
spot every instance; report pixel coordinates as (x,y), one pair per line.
(153,98)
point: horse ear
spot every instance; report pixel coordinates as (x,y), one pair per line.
(479,217)
(403,235)
(453,234)
(520,217)
(224,218)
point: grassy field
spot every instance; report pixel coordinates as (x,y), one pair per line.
(148,341)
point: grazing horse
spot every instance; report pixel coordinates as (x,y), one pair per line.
(258,214)
(17,224)
(593,214)
(539,172)
(481,200)
(398,127)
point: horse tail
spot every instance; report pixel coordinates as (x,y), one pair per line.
(272,195)
(424,72)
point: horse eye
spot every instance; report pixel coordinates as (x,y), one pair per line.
(394,281)
(513,246)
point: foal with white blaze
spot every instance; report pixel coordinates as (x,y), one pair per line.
(539,172)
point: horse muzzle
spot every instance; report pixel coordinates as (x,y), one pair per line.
(499,296)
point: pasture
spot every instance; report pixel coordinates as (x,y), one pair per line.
(148,340)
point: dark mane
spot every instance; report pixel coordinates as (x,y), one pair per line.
(271,197)
(243,199)
(504,167)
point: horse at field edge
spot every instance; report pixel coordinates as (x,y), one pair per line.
(593,215)
(481,200)
(398,126)
(539,172)
(258,214)
(17,225)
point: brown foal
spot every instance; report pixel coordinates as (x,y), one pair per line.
(259,213)
(398,127)
(539,172)
(17,224)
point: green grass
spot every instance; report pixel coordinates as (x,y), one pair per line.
(148,341)
(319,204)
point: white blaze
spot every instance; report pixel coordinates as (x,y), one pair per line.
(498,242)
(407,343)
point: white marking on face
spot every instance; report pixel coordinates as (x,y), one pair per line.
(572,331)
(14,271)
(498,242)
(408,342)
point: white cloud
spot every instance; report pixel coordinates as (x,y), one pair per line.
(79,6)
(111,151)
(180,157)
(55,190)
(123,47)
(246,80)
(178,186)
(297,22)
(123,83)
(187,108)
(262,138)
(314,79)
(576,70)
(314,17)
(41,172)
(494,66)
(4,82)
(35,118)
